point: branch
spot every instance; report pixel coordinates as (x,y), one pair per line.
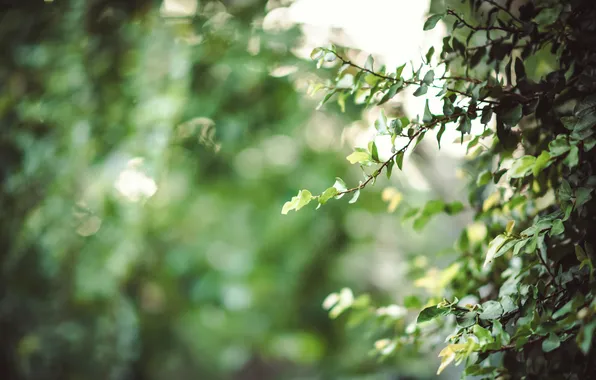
(379,170)
(479,28)
(497,5)
(533,341)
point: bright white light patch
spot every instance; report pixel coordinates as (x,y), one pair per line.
(133,184)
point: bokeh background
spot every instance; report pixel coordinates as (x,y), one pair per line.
(146,150)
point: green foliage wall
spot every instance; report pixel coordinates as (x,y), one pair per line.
(516,79)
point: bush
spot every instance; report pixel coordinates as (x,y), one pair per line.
(519,84)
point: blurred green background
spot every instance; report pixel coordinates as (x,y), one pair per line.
(146,149)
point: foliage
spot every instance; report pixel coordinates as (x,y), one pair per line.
(519,299)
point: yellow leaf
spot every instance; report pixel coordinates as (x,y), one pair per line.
(356,157)
(510,225)
(491,201)
(391,195)
(448,355)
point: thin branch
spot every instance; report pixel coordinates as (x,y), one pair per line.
(497,5)
(530,342)
(547,267)
(379,170)
(479,28)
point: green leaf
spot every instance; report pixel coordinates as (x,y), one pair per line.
(326,99)
(565,192)
(399,70)
(428,116)
(551,343)
(355,197)
(397,126)
(522,166)
(512,117)
(317,53)
(484,336)
(572,158)
(328,194)
(491,310)
(484,178)
(358,156)
(493,247)
(542,162)
(487,114)
(341,186)
(368,65)
(381,122)
(465,126)
(584,338)
(559,146)
(440,134)
(421,90)
(374,152)
(448,107)
(454,208)
(399,160)
(582,196)
(519,245)
(296,203)
(557,228)
(390,94)
(429,77)
(389,169)
(431,313)
(429,54)
(432,21)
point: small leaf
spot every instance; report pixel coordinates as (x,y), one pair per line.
(491,310)
(317,53)
(440,134)
(328,194)
(541,163)
(493,247)
(357,157)
(512,117)
(559,146)
(582,196)
(431,313)
(296,203)
(429,54)
(551,343)
(428,116)
(432,21)
(390,94)
(484,178)
(381,122)
(374,152)
(341,186)
(421,90)
(447,107)
(355,197)
(429,77)
(399,160)
(487,114)
(522,166)
(510,225)
(399,70)
(557,228)
(368,65)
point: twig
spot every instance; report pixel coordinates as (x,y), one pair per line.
(379,170)
(497,5)
(479,28)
